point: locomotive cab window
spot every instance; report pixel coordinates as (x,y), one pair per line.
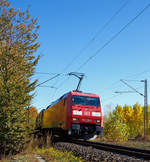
(85,100)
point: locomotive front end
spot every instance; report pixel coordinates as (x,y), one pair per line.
(87,119)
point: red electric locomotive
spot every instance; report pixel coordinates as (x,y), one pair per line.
(76,114)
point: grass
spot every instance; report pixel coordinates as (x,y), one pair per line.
(48,154)
(140,143)
(53,155)
(23,157)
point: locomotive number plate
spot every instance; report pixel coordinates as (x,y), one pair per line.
(86,120)
(86,113)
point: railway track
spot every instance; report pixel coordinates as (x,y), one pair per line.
(124,150)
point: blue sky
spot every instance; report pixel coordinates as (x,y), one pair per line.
(66,30)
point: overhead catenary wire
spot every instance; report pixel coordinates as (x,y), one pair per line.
(47,80)
(119,94)
(96,34)
(131,80)
(114,36)
(140,73)
(91,41)
(48,86)
(60,85)
(106,99)
(109,88)
(131,87)
(44,73)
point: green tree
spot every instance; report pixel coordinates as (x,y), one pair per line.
(32,114)
(18,43)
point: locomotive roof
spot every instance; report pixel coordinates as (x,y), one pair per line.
(84,94)
(73,93)
(54,102)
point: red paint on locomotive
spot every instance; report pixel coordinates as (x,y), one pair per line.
(83,114)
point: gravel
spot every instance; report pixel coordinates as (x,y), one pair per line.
(92,155)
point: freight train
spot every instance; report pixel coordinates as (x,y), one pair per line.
(75,114)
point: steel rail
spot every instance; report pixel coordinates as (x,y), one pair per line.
(124,150)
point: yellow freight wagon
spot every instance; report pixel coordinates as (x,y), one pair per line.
(55,116)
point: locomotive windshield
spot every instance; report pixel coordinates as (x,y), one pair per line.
(85,100)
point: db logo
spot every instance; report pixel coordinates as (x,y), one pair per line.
(86,113)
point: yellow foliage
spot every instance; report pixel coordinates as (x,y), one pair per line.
(127,113)
(129,118)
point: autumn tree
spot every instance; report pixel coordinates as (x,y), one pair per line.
(133,117)
(32,114)
(126,118)
(18,43)
(114,128)
(138,120)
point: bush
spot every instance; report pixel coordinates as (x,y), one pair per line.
(115,129)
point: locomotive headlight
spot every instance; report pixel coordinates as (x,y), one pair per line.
(97,121)
(75,119)
(76,112)
(96,114)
